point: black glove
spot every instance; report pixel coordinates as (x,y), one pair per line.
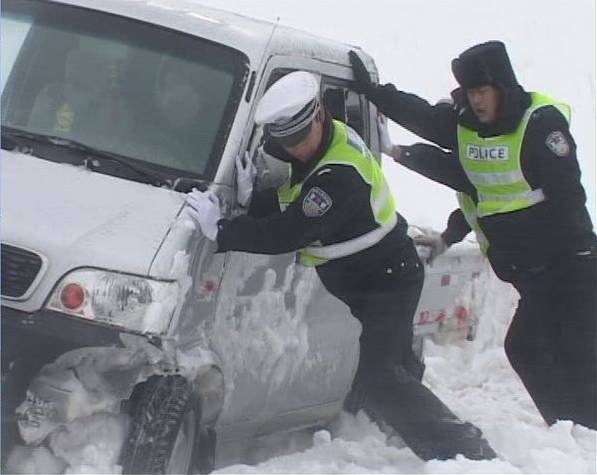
(362,79)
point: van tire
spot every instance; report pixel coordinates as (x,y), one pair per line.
(164,428)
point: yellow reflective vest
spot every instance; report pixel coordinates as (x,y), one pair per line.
(347,149)
(469,210)
(493,166)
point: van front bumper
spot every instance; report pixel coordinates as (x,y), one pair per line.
(32,340)
(46,335)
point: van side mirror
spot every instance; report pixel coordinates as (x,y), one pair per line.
(271,172)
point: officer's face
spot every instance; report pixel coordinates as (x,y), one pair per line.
(484,101)
(304,151)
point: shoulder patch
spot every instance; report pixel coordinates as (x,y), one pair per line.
(557,143)
(316,203)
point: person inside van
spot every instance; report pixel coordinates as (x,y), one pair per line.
(69,107)
(336,210)
(177,130)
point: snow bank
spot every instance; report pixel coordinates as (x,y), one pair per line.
(476,381)
(91,444)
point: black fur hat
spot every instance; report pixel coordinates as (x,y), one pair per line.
(483,64)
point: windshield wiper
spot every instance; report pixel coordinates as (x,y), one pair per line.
(10,139)
(93,153)
(185,184)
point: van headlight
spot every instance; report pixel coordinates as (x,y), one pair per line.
(129,301)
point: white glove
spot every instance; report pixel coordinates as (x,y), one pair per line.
(385,142)
(436,244)
(245,176)
(204,210)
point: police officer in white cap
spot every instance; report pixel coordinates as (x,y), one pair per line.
(336,211)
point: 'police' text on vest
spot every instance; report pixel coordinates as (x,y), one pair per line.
(490,153)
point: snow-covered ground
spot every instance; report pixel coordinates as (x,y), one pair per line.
(476,381)
(552,45)
(473,378)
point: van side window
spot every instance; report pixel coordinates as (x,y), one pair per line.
(277,74)
(355,114)
(347,106)
(335,101)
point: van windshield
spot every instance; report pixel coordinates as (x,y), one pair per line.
(152,95)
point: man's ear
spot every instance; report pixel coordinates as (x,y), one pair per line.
(459,97)
(320,117)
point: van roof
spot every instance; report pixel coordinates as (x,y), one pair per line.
(249,35)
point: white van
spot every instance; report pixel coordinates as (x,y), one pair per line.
(111,302)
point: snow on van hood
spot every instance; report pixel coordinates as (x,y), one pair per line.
(79,218)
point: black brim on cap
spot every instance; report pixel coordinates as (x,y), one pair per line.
(295,138)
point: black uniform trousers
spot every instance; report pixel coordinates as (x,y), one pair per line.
(387,384)
(552,340)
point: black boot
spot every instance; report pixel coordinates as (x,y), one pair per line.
(395,397)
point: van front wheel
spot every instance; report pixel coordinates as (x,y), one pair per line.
(164,428)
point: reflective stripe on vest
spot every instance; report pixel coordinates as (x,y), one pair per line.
(348,149)
(469,210)
(492,164)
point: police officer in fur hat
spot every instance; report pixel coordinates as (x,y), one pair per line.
(516,150)
(336,210)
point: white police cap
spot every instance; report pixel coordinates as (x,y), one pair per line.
(289,106)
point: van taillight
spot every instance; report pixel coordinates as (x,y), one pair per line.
(461,313)
(72,296)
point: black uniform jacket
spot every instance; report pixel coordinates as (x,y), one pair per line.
(268,230)
(438,165)
(526,239)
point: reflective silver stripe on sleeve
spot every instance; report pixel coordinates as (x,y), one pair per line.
(481,239)
(532,197)
(352,246)
(499,178)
